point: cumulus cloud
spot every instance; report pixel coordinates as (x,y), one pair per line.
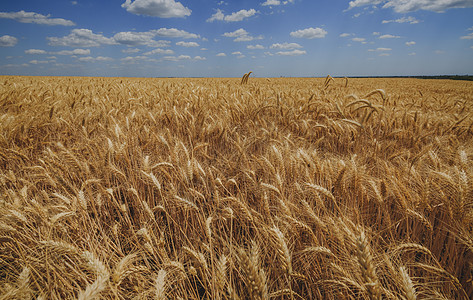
(357,39)
(411,43)
(467,37)
(138,39)
(159,51)
(218,16)
(95,59)
(309,33)
(255,47)
(63,52)
(294,52)
(221,54)
(199,58)
(345,35)
(380,49)
(285,46)
(8,41)
(406,6)
(271,2)
(157,8)
(72,52)
(389,36)
(81,38)
(241,35)
(37,62)
(32,17)
(187,44)
(131,50)
(410,20)
(175,33)
(35,51)
(177,58)
(86,38)
(134,59)
(234,17)
(357,3)
(276,2)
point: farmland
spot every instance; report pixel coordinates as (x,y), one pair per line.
(280,188)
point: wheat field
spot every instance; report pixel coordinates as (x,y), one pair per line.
(280,188)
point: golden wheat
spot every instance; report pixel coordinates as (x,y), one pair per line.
(206,188)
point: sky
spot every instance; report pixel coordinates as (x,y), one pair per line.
(213,38)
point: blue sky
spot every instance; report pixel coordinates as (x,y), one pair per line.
(213,38)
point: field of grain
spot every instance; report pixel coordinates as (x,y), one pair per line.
(281,188)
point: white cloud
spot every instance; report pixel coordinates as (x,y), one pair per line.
(157,8)
(81,38)
(255,47)
(74,2)
(35,51)
(357,3)
(291,53)
(240,15)
(471,47)
(236,33)
(285,46)
(376,33)
(8,41)
(405,6)
(410,43)
(62,52)
(271,2)
(187,44)
(389,36)
(199,58)
(234,17)
(134,59)
(38,62)
(239,54)
(345,35)
(412,54)
(160,51)
(309,33)
(380,49)
(177,58)
(86,38)
(94,59)
(276,2)
(218,16)
(471,28)
(241,35)
(357,39)
(138,39)
(410,20)
(32,17)
(203,49)
(385,54)
(131,50)
(72,52)
(439,52)
(175,33)
(221,54)
(467,37)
